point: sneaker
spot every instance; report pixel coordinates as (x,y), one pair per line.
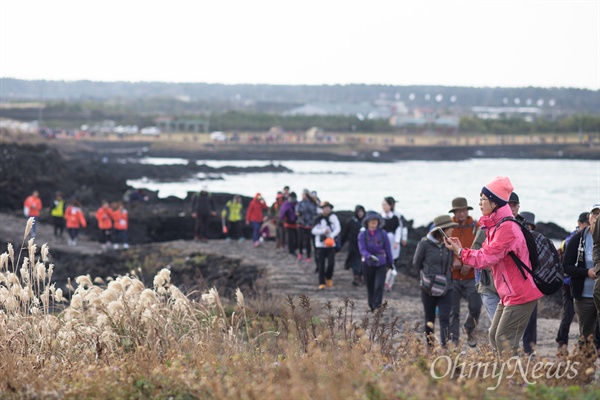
(228,239)
(116,246)
(241,239)
(125,246)
(329,282)
(299,257)
(256,244)
(471,339)
(307,259)
(321,287)
(387,287)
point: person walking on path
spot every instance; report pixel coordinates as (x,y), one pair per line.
(463,276)
(568,310)
(306,210)
(280,229)
(326,228)
(121,224)
(75,220)
(255,216)
(518,293)
(203,208)
(579,265)
(287,214)
(350,235)
(376,257)
(231,217)
(432,258)
(58,214)
(397,233)
(104,216)
(32,208)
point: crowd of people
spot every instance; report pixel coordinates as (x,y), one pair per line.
(112,218)
(458,259)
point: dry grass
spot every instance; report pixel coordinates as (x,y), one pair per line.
(120,339)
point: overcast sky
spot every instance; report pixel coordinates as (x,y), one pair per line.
(452,43)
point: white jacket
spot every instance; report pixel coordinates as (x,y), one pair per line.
(321,227)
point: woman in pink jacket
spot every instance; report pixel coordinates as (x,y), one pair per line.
(518,294)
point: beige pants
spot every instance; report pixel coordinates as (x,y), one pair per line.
(508,326)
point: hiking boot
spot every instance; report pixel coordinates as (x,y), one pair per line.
(321,287)
(329,282)
(471,339)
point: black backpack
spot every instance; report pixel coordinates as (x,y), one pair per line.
(546,269)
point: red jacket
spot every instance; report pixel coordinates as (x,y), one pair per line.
(34,204)
(75,218)
(121,219)
(512,288)
(104,217)
(255,210)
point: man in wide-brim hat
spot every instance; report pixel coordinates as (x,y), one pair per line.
(464,275)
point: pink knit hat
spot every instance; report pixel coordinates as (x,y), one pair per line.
(498,190)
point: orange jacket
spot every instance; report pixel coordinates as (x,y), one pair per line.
(104,217)
(75,218)
(34,204)
(121,219)
(466,233)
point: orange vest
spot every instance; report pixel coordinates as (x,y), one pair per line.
(104,217)
(75,218)
(121,219)
(466,234)
(34,204)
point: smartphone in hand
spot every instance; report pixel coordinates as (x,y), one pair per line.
(443,233)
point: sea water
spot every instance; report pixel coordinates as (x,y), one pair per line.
(554,190)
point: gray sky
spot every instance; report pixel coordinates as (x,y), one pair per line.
(452,43)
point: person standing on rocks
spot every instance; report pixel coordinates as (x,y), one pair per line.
(326,228)
(376,257)
(350,235)
(255,216)
(287,214)
(104,216)
(203,208)
(518,294)
(32,208)
(74,221)
(231,215)
(432,259)
(306,210)
(58,214)
(579,264)
(121,222)
(397,233)
(463,275)
(279,228)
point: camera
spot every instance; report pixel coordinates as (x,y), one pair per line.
(322,238)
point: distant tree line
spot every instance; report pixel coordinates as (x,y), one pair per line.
(276,98)
(568,124)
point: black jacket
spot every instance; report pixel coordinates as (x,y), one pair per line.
(202,203)
(577,273)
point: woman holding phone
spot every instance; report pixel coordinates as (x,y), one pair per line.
(433,259)
(518,293)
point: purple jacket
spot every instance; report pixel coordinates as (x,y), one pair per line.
(375,243)
(287,213)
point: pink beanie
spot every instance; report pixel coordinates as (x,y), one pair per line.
(498,190)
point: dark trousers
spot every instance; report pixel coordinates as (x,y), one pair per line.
(255,230)
(292,239)
(73,233)
(568,312)
(120,236)
(305,240)
(444,306)
(530,334)
(105,235)
(325,254)
(374,280)
(201,227)
(235,229)
(59,225)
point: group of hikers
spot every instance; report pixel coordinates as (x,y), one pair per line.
(112,218)
(458,259)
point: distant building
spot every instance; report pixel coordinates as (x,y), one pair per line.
(527,113)
(360,110)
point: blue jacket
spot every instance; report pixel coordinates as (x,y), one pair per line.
(375,243)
